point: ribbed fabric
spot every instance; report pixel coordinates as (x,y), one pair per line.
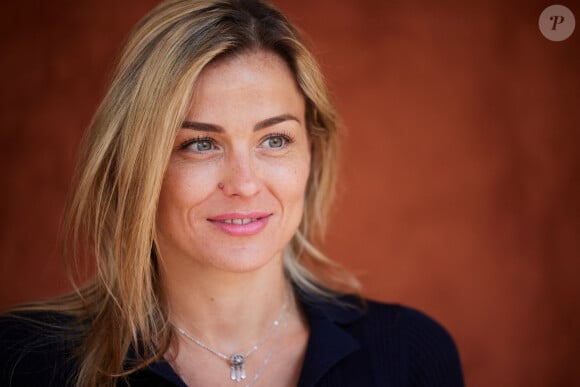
(433,359)
(382,345)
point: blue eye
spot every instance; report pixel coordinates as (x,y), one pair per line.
(199,145)
(203,145)
(276,141)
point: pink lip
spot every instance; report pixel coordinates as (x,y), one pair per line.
(253,222)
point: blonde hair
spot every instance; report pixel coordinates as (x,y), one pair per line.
(111,216)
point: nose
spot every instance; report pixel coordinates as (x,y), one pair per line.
(240,177)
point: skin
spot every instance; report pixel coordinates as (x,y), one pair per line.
(243,150)
(262,165)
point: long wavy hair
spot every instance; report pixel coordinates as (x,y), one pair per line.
(111,216)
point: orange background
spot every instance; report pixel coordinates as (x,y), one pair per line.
(460,179)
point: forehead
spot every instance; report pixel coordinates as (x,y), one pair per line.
(261,60)
(258,82)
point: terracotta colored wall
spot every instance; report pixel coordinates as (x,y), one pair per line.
(460,177)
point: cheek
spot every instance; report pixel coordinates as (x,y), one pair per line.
(184,186)
(290,179)
(301,174)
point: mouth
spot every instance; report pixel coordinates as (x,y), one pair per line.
(238,221)
(239,217)
(238,224)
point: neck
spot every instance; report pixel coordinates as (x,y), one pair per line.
(228,311)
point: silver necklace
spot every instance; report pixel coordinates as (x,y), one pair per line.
(270,352)
(237,360)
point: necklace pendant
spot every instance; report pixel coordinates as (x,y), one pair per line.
(237,372)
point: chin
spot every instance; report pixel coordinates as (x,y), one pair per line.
(247,261)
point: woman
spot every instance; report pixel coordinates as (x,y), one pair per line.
(206,174)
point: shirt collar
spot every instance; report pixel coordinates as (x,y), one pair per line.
(329,342)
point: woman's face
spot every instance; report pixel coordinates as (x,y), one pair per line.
(233,192)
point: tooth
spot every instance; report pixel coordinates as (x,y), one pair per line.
(241,221)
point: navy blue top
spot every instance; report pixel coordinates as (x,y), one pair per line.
(382,345)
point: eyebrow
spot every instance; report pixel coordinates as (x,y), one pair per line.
(204,127)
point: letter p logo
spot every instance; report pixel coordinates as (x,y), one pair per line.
(557,23)
(557,20)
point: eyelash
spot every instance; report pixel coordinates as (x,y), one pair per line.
(289,139)
(187,143)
